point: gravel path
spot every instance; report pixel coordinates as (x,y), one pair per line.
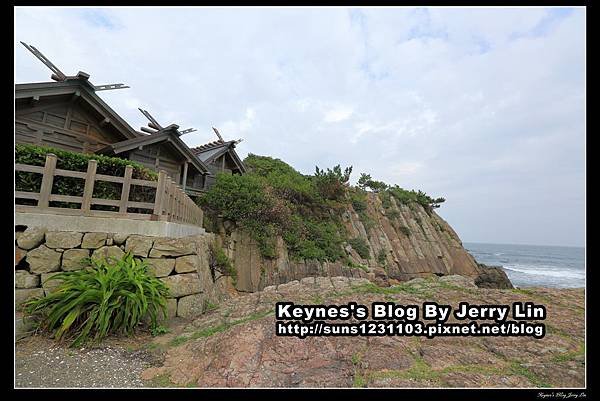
(42,363)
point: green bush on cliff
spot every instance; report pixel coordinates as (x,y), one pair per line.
(406,197)
(221,263)
(274,199)
(360,246)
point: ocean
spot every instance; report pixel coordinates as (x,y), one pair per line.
(534,266)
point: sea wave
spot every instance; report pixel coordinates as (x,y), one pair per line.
(547,271)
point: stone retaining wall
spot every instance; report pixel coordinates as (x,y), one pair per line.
(182,263)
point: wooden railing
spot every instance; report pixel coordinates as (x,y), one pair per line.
(170,202)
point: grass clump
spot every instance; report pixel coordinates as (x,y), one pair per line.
(353,265)
(209,331)
(517,368)
(109,296)
(360,246)
(405,230)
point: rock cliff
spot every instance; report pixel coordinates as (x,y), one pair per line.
(402,242)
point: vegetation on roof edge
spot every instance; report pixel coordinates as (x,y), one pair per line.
(273,199)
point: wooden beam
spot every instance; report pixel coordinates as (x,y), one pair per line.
(185,171)
(157,161)
(148,131)
(76,96)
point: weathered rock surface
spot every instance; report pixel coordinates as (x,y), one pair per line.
(492,277)
(24,325)
(236,346)
(72,259)
(182,284)
(119,239)
(63,239)
(23,279)
(43,260)
(49,285)
(93,240)
(31,237)
(107,252)
(190,306)
(413,243)
(22,295)
(187,264)
(160,267)
(173,247)
(139,245)
(19,255)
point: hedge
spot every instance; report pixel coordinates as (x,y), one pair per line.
(114,166)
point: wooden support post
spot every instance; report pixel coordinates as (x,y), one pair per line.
(47,181)
(160,193)
(125,189)
(185,169)
(88,190)
(169,203)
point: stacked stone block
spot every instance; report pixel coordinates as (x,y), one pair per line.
(181,263)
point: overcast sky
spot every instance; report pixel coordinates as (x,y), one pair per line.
(485,107)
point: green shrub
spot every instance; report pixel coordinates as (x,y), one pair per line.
(272,200)
(386,200)
(405,230)
(360,246)
(365,181)
(367,221)
(359,200)
(381,257)
(393,214)
(332,184)
(221,263)
(113,166)
(407,197)
(109,296)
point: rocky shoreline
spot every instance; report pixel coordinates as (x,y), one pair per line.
(234,345)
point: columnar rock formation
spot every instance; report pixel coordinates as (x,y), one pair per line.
(404,241)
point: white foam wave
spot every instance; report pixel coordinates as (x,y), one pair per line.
(550,272)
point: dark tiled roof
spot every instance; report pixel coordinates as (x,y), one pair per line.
(210,145)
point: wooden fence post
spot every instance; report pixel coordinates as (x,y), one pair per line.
(88,190)
(169,201)
(125,189)
(47,181)
(160,193)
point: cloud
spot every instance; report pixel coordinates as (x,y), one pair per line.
(338,114)
(484,106)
